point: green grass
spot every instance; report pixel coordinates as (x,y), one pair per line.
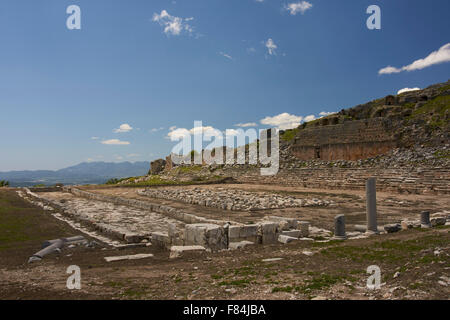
(390,251)
(283,289)
(22,224)
(438,106)
(13,226)
(134,293)
(321,282)
(188,169)
(238,283)
(442,154)
(289,134)
(444,88)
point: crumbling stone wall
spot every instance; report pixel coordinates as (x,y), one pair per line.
(351,140)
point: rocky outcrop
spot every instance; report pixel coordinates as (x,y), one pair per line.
(157,166)
(407,120)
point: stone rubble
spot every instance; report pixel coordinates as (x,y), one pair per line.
(224,199)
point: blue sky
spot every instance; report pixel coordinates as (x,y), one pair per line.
(64,93)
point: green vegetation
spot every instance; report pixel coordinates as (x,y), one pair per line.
(41,185)
(282,289)
(12,227)
(134,294)
(238,283)
(18,221)
(4,183)
(321,282)
(444,88)
(152,180)
(158,181)
(437,108)
(116,181)
(112,181)
(289,134)
(390,251)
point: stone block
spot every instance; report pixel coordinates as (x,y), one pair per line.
(409,224)
(286,239)
(292,233)
(234,233)
(129,257)
(208,235)
(268,232)
(160,240)
(248,231)
(239,245)
(133,238)
(391,228)
(177,251)
(285,223)
(438,221)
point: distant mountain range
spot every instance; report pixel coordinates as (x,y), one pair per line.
(83,173)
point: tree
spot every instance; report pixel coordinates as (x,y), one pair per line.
(4,183)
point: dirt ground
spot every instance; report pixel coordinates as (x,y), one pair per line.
(414,264)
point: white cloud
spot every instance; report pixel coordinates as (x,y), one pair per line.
(172,25)
(283,121)
(95,138)
(251,50)
(271,46)
(325,113)
(295,8)
(309,118)
(179,133)
(156,129)
(245,125)
(115,142)
(226,55)
(389,70)
(407,90)
(123,128)
(436,57)
(231,132)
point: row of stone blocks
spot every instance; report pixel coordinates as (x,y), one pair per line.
(218,237)
(165,210)
(105,229)
(198,231)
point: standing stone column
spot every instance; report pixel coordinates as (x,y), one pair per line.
(371,205)
(339,227)
(425,219)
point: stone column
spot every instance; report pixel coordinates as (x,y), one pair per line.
(425,219)
(339,227)
(371,205)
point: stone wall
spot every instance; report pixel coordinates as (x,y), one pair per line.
(351,140)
